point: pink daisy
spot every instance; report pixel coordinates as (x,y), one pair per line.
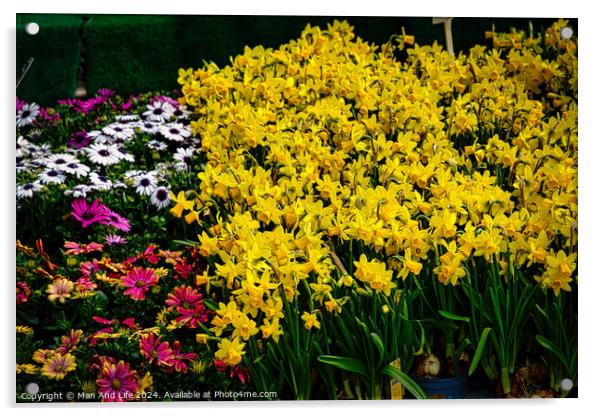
(88,214)
(76,249)
(153,349)
(184,297)
(117,382)
(178,361)
(138,281)
(114,239)
(193,317)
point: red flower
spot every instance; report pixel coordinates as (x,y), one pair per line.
(192,317)
(178,361)
(23,292)
(149,255)
(183,269)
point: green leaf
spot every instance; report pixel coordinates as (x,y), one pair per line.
(405,381)
(479,351)
(186,243)
(379,344)
(549,345)
(345,363)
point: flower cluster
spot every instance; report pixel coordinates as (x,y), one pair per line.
(105,156)
(327,150)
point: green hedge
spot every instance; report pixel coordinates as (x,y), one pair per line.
(135,53)
(56,52)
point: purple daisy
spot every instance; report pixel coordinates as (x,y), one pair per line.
(114,239)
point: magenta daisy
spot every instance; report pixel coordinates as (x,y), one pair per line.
(179,359)
(184,297)
(138,281)
(112,219)
(88,214)
(153,349)
(117,382)
(79,140)
(192,317)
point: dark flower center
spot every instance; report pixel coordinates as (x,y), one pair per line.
(145,182)
(161,195)
(174,131)
(25,114)
(104,153)
(52,173)
(140,283)
(28,186)
(117,129)
(187,160)
(102,178)
(60,161)
(72,166)
(158,111)
(178,113)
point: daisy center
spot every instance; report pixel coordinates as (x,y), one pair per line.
(116,384)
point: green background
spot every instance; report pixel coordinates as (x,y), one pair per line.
(139,53)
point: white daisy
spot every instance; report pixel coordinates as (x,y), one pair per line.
(158,111)
(127,117)
(132,173)
(103,154)
(184,155)
(58,161)
(160,197)
(98,137)
(34,134)
(78,191)
(148,127)
(21,166)
(156,145)
(99,182)
(119,131)
(181,113)
(52,176)
(176,132)
(27,190)
(76,168)
(145,184)
(119,184)
(22,147)
(27,114)
(124,155)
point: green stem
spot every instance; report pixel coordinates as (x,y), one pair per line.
(506,381)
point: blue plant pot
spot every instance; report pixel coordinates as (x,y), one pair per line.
(445,388)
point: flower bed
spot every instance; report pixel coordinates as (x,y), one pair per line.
(343,219)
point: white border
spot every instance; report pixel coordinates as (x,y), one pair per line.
(589,153)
